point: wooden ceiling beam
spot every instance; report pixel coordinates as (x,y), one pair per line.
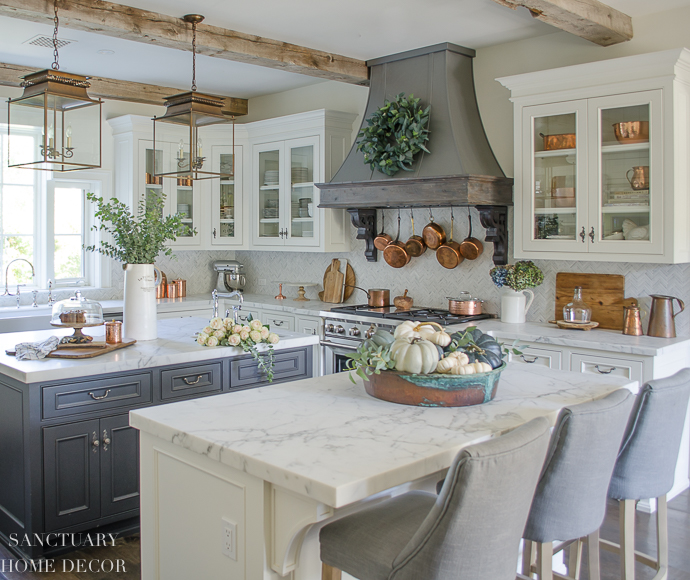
(589,19)
(129,23)
(112,89)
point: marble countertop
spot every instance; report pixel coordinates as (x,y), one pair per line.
(327,439)
(308,308)
(596,339)
(176,344)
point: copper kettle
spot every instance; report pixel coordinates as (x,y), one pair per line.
(661,316)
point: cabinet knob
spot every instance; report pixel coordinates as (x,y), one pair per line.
(582,234)
(106,440)
(95,443)
(591,234)
(214,233)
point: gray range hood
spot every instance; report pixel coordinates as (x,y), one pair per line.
(461,169)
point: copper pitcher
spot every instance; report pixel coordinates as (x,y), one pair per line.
(661,316)
(640,177)
(632,323)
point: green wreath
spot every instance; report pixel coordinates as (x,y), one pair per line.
(394,135)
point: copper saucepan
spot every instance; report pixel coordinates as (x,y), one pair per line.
(382,240)
(448,254)
(471,248)
(376,297)
(464,304)
(433,234)
(395,253)
(415,246)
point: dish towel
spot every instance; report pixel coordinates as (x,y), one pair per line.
(36,350)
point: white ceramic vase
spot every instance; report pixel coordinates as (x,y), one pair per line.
(514,305)
(139,315)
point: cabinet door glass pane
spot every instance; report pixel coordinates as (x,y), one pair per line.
(185,206)
(227,197)
(554,179)
(154,164)
(269,194)
(625,174)
(302,192)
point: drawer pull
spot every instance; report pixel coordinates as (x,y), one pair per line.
(187,381)
(603,372)
(96,398)
(95,443)
(106,440)
(535,359)
(278,322)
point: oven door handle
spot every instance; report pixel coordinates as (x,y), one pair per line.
(341,346)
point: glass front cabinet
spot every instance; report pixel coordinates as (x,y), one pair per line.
(226,198)
(285,210)
(596,178)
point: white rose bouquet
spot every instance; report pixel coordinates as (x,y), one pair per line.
(224,332)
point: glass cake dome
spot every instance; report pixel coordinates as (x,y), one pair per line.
(77,310)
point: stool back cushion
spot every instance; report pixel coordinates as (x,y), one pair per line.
(570,501)
(473,530)
(647,459)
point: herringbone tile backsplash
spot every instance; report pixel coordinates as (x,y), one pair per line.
(428,283)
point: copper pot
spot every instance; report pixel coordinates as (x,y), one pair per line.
(395,253)
(382,240)
(434,235)
(471,248)
(465,305)
(448,255)
(415,246)
(376,297)
(162,288)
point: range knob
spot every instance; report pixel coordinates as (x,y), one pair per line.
(330,328)
(354,331)
(372,330)
(339,329)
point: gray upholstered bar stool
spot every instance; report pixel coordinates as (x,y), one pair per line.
(471,530)
(646,466)
(570,500)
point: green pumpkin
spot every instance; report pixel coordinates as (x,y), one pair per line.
(382,338)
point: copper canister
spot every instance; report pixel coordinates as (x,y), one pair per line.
(181,287)
(632,324)
(172,290)
(113,332)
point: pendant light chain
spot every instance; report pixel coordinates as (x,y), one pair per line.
(193,56)
(56,20)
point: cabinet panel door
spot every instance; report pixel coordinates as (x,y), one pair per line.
(626,175)
(585,363)
(309,325)
(119,466)
(553,196)
(290,365)
(278,321)
(539,357)
(302,199)
(71,474)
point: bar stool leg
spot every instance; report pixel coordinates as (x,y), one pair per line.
(575,559)
(528,550)
(662,537)
(545,561)
(329,572)
(593,556)
(627,538)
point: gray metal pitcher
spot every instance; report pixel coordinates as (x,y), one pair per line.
(661,316)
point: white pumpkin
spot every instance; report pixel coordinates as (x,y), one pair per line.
(407,329)
(461,356)
(462,370)
(481,367)
(445,364)
(414,355)
(440,338)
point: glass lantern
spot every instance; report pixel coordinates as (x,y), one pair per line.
(77,310)
(190,158)
(63,120)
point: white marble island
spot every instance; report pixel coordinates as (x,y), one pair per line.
(271,462)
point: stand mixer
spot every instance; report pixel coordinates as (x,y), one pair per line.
(230,276)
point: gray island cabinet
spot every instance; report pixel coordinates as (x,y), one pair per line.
(69,461)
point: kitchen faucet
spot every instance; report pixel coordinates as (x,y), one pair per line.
(235,309)
(7,270)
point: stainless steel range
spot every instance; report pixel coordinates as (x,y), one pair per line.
(346,327)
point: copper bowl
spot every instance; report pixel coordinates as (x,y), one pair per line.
(562,141)
(632,131)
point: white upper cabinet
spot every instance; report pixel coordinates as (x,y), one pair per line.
(601,162)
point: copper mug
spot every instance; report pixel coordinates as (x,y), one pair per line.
(632,323)
(640,177)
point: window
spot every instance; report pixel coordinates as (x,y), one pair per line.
(46,220)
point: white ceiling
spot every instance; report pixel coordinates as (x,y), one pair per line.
(361,29)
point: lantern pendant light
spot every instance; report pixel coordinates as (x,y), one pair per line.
(54,125)
(192,113)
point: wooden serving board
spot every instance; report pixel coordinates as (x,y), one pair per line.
(350,281)
(604,293)
(83,352)
(573,325)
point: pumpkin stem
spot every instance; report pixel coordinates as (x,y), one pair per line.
(416,328)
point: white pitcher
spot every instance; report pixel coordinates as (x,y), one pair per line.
(139,316)
(514,305)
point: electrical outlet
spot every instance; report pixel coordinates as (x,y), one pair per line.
(229,538)
(262,281)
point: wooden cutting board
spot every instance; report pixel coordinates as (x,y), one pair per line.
(83,351)
(333,290)
(604,293)
(350,281)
